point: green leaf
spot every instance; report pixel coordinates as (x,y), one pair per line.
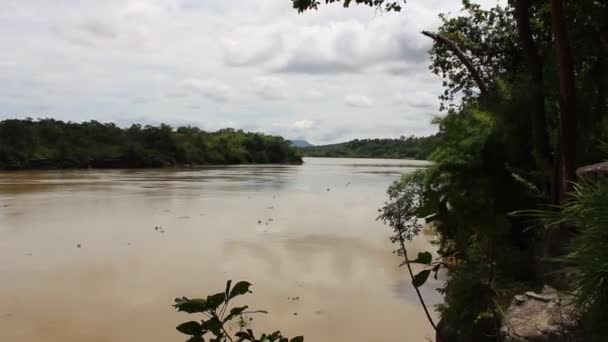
(297,339)
(243,336)
(214,325)
(190,328)
(239,289)
(424,258)
(214,301)
(191,305)
(227,292)
(420,278)
(196,339)
(235,312)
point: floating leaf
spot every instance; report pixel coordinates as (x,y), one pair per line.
(297,339)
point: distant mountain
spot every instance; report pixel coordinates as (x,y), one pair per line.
(301,143)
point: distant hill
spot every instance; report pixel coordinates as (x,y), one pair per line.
(301,143)
(403,148)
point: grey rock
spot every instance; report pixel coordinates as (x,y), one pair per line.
(545,317)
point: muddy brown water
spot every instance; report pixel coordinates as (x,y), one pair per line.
(81,258)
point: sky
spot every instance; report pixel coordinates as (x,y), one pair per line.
(326,76)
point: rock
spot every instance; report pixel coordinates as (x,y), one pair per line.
(545,317)
(593,170)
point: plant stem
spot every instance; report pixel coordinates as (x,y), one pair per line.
(409,268)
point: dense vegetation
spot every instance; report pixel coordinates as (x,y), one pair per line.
(49,143)
(525,104)
(402,148)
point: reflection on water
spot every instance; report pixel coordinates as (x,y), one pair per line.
(307,231)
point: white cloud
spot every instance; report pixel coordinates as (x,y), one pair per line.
(270,88)
(303,124)
(210,89)
(358,101)
(212,63)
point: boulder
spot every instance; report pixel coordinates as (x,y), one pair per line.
(545,317)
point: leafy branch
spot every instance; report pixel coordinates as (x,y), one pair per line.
(218,316)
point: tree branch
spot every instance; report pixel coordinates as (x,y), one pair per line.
(462,57)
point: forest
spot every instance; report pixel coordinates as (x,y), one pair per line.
(53,144)
(525,105)
(403,148)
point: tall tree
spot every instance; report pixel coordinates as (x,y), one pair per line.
(567,98)
(536,84)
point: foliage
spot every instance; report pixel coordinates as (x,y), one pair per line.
(586,262)
(403,148)
(49,143)
(219,315)
(303,5)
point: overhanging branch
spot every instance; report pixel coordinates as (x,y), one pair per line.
(462,57)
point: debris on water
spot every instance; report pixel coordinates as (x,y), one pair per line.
(295,313)
(347,184)
(156,228)
(327,189)
(6,205)
(79,245)
(271,220)
(318,312)
(259,221)
(183,217)
(271,207)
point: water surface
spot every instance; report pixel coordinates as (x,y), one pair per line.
(99,255)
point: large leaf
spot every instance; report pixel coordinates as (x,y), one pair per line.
(239,289)
(215,300)
(214,325)
(297,339)
(191,305)
(190,328)
(423,258)
(420,278)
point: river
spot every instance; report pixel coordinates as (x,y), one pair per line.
(99,255)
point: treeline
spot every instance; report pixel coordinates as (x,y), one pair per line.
(403,148)
(48,143)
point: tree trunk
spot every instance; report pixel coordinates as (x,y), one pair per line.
(567,98)
(483,88)
(540,137)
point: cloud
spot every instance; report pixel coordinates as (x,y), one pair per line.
(340,47)
(258,65)
(304,124)
(359,101)
(210,89)
(270,88)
